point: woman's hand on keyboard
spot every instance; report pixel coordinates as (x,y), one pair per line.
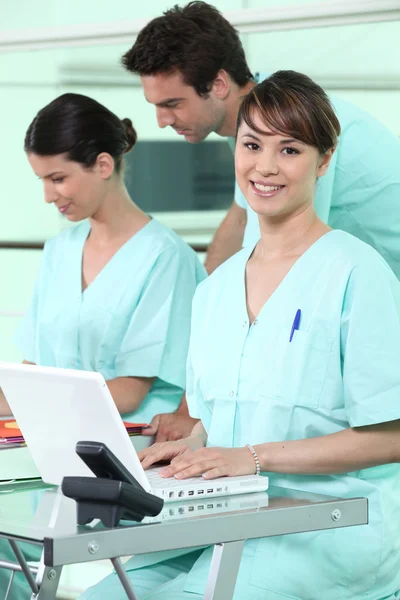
(211,463)
(166,451)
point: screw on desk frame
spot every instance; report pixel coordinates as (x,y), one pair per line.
(52,574)
(336,515)
(93,547)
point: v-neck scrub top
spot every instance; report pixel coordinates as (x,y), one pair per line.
(250,384)
(132,320)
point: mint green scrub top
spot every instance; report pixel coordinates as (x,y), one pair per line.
(249,384)
(133,320)
(360,193)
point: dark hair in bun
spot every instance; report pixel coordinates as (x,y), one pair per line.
(130,134)
(82,128)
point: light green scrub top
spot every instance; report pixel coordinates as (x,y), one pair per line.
(132,320)
(360,193)
(249,384)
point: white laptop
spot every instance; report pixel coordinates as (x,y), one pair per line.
(55,408)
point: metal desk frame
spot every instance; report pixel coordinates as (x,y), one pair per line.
(226,532)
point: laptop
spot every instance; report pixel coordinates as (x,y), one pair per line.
(55,408)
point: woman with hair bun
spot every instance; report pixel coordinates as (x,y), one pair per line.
(114,292)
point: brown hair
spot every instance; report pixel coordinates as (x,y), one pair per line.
(292,104)
(195,40)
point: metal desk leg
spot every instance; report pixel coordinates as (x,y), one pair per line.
(223,571)
(124,579)
(47,580)
(24,566)
(9,585)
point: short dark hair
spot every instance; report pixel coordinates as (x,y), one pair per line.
(195,40)
(80,127)
(292,104)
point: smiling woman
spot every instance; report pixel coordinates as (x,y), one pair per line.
(285,376)
(286,135)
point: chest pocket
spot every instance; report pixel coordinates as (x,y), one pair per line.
(297,371)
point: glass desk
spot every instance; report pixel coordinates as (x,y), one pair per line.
(41,515)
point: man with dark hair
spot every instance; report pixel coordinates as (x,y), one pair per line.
(180,40)
(193,69)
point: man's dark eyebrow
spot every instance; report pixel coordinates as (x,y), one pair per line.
(167,101)
(51,174)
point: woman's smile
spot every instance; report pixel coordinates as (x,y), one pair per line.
(266,190)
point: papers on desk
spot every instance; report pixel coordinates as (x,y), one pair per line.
(134,428)
(11,435)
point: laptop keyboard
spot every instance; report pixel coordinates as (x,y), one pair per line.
(156,481)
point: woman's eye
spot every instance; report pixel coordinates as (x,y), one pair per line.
(290,151)
(58,179)
(252,146)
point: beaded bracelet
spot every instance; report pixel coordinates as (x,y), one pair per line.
(256,460)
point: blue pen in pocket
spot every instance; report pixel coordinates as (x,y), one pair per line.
(296,324)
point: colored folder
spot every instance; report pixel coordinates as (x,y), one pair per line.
(11,434)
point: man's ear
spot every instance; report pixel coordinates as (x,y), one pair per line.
(221,85)
(325,161)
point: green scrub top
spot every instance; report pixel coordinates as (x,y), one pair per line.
(360,193)
(132,320)
(250,384)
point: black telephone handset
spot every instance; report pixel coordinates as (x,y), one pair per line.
(103,463)
(112,495)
